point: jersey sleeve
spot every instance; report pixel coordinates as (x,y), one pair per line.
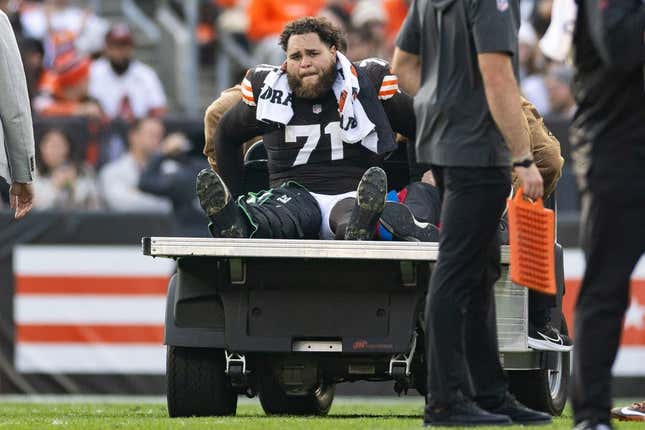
(493,27)
(253,82)
(385,82)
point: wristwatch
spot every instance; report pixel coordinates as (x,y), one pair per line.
(523,163)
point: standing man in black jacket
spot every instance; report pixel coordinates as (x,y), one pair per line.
(471,129)
(608,135)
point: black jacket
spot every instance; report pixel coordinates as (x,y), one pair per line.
(608,132)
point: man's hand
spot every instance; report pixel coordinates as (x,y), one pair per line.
(21,198)
(428,178)
(531,181)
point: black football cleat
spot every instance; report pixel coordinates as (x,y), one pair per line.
(399,221)
(227,219)
(370,201)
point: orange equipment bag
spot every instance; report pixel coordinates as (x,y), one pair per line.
(532,244)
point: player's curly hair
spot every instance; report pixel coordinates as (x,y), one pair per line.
(329,34)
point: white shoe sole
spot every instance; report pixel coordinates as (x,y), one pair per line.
(544,345)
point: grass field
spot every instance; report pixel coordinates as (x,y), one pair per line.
(345,414)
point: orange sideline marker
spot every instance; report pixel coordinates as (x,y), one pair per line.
(531,240)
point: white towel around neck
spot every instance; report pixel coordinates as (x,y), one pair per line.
(345,88)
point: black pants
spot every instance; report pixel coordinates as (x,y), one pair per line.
(424,202)
(285,212)
(613,239)
(463,356)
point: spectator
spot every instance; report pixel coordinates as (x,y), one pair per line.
(541,16)
(13,13)
(64,90)
(558,39)
(33,54)
(395,10)
(171,173)
(119,179)
(559,81)
(125,87)
(337,15)
(531,80)
(42,21)
(63,183)
(368,35)
(267,18)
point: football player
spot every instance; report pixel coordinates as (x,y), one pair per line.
(326,125)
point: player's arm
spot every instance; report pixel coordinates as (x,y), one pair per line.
(236,127)
(212,117)
(400,113)
(397,104)
(407,66)
(617,28)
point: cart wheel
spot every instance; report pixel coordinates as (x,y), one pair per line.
(196,382)
(544,390)
(275,401)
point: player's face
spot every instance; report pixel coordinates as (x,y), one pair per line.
(311,65)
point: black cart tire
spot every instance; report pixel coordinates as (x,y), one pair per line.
(197,385)
(544,390)
(275,401)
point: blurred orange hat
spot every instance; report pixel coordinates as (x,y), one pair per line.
(70,69)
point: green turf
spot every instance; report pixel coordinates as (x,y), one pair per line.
(344,415)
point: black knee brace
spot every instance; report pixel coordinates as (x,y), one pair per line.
(286,212)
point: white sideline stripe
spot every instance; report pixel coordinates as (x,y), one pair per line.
(89,309)
(574,265)
(91,359)
(88,260)
(629,361)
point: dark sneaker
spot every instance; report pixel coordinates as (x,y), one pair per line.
(635,412)
(464,413)
(592,425)
(548,338)
(520,414)
(399,221)
(215,199)
(370,201)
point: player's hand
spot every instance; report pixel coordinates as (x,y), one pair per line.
(21,198)
(531,181)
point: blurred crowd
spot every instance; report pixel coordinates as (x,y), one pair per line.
(79,64)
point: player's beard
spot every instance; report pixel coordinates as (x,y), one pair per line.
(327,77)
